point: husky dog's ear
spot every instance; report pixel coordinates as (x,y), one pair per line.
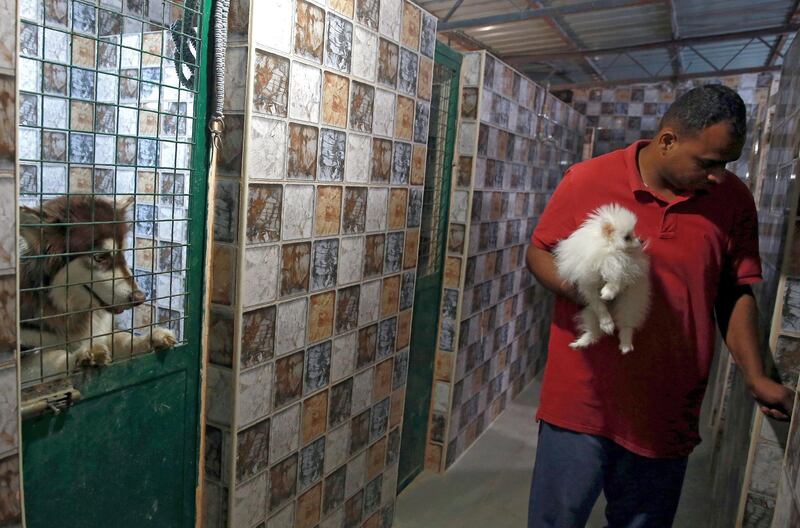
(123,205)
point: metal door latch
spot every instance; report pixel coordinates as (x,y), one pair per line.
(52,398)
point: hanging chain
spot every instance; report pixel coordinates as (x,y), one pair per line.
(217,124)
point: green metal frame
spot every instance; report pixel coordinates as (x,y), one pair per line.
(427,299)
(79,449)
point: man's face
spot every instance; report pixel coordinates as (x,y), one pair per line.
(693,162)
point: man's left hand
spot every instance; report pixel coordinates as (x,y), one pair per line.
(774,399)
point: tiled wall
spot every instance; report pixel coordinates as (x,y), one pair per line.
(10,503)
(515,141)
(629,113)
(753,452)
(318,210)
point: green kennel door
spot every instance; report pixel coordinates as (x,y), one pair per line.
(430,264)
(124,455)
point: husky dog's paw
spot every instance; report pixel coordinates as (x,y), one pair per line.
(625,347)
(607,325)
(608,293)
(162,338)
(96,355)
(583,341)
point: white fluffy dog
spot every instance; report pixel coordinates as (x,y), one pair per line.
(606,262)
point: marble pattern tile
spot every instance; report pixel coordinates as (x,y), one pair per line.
(404,118)
(334,490)
(252,450)
(308,507)
(264,204)
(335,94)
(409,34)
(288,379)
(8,409)
(271,88)
(390,18)
(359,438)
(258,336)
(274,26)
(368,13)
(284,433)
(355,209)
(302,152)
(390,295)
(336,448)
(8,313)
(333,151)
(408,72)
(421,120)
(283,482)
(305,85)
(298,211)
(374,255)
(318,367)
(365,54)
(325,264)
(394,252)
(411,249)
(309,33)
(347,301)
(341,403)
(350,257)
(339,43)
(344,7)
(418,161)
(381,162)
(376,209)
(383,120)
(353,509)
(260,267)
(295,264)
(415,199)
(343,355)
(220,408)
(291,321)
(401,163)
(362,100)
(255,388)
(388,60)
(266,152)
(223,275)
(425,81)
(398,201)
(250,501)
(362,391)
(427,44)
(369,306)
(320,316)
(328,211)
(315,417)
(357,164)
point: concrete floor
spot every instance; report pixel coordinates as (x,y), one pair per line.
(488,486)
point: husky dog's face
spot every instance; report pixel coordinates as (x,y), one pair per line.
(82,239)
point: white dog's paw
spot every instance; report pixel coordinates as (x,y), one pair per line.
(607,326)
(625,348)
(583,341)
(97,355)
(162,338)
(607,293)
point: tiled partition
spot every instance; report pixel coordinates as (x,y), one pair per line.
(515,141)
(317,227)
(10,501)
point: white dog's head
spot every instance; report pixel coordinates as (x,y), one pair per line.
(617,226)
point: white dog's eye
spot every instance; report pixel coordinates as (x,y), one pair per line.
(628,238)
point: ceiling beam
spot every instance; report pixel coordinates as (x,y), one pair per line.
(681,42)
(452,11)
(794,14)
(531,13)
(569,37)
(674,51)
(682,77)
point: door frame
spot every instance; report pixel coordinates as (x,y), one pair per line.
(424,366)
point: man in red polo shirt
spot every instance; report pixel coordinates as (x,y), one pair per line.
(625,424)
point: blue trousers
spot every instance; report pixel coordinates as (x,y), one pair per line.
(572,468)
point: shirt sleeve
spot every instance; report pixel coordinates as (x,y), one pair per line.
(558,220)
(744,262)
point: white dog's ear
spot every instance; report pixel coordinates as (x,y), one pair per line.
(28,218)
(608,230)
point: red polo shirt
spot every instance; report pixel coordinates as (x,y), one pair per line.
(648,401)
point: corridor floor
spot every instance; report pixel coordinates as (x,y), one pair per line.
(489,485)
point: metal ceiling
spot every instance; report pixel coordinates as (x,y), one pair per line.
(573,43)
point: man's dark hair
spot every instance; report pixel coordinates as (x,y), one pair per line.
(707,105)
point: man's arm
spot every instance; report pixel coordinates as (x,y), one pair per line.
(542,264)
(737,317)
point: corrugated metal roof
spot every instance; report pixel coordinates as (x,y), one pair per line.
(610,24)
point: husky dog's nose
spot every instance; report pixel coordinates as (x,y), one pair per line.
(138,297)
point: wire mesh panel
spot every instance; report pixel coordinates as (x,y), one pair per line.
(431,235)
(107,105)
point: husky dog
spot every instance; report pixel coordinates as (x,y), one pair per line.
(607,263)
(74,280)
